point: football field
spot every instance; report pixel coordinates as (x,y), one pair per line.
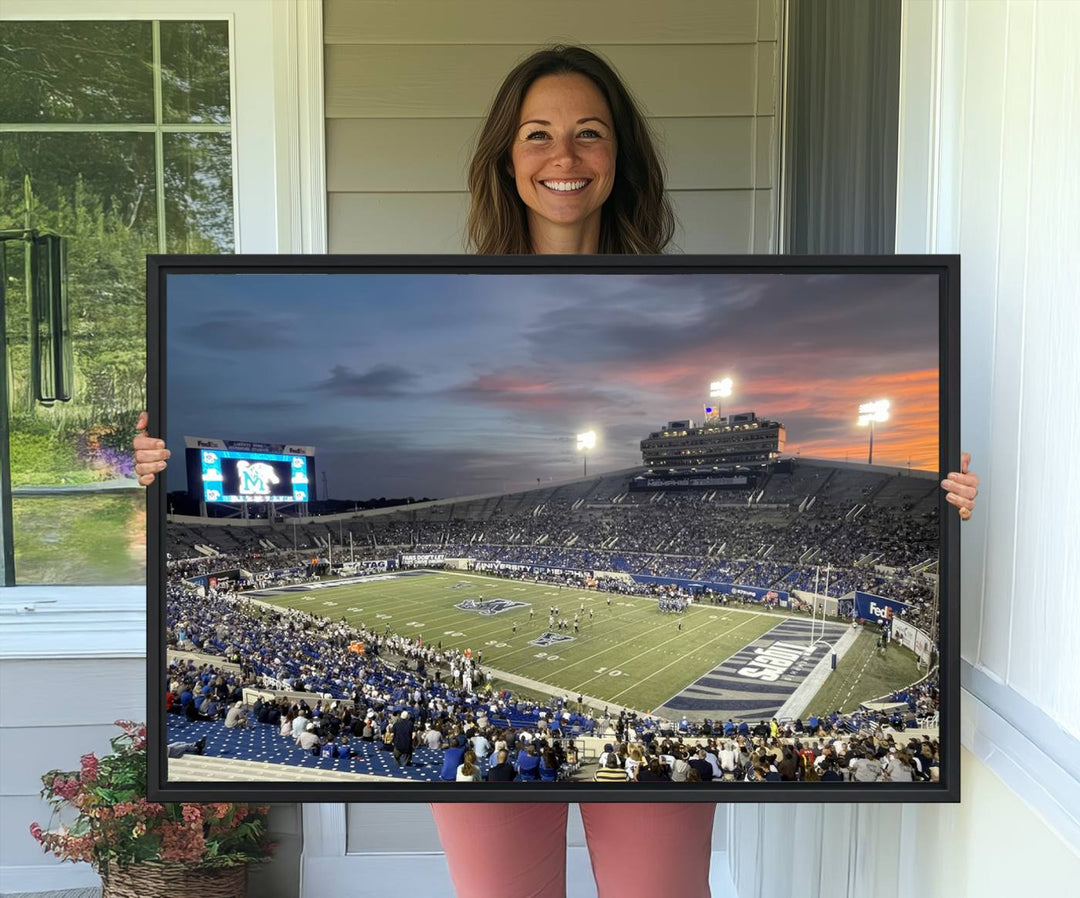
(628,653)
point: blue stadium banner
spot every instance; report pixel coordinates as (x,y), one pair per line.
(871,607)
(738,590)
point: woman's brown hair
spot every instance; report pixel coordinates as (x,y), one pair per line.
(637,216)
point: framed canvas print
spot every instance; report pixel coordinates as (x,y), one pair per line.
(554,528)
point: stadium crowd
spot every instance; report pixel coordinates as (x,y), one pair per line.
(479,745)
(390,690)
(818,529)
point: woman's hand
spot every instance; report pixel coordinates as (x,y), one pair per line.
(961,487)
(150,453)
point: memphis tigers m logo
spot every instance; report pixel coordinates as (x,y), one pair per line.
(549,638)
(488,607)
(255,477)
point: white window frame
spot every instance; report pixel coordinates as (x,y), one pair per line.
(279,197)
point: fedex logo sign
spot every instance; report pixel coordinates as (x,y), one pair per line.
(877,610)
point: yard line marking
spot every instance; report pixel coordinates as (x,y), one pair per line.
(681,658)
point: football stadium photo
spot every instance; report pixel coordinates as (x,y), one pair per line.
(549,528)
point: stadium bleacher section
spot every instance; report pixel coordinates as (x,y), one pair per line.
(875,532)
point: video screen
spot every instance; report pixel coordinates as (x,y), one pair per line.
(675,518)
(229,476)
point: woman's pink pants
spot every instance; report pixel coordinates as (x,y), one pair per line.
(518,850)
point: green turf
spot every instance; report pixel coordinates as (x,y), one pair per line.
(864,674)
(629,654)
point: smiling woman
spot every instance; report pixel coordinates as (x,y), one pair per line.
(563,162)
(562,117)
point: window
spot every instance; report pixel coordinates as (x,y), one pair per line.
(116,135)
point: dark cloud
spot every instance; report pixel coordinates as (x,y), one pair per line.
(238,332)
(380,381)
(746,315)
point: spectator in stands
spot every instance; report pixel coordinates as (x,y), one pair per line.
(452,758)
(480,745)
(703,767)
(192,713)
(681,766)
(653,772)
(299,724)
(432,737)
(502,771)
(468,770)
(528,764)
(403,739)
(549,765)
(237,717)
(608,749)
(179,749)
(308,739)
(713,759)
(788,766)
(866,769)
(898,767)
(611,772)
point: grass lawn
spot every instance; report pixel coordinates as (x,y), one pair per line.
(864,674)
(80,539)
(629,654)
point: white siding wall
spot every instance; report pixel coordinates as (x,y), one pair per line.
(408,82)
(989,149)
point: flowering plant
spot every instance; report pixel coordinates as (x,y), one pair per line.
(115,824)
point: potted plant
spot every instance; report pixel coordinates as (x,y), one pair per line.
(143,848)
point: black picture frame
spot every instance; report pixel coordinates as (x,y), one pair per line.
(947,270)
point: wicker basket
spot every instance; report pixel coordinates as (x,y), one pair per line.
(174,881)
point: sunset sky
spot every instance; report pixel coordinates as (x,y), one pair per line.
(443,385)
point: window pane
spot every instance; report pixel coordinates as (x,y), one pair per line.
(195,71)
(98,191)
(77,516)
(76,72)
(81,539)
(198,193)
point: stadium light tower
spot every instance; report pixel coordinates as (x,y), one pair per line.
(720,389)
(585,442)
(869,413)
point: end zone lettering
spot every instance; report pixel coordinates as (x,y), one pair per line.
(771,663)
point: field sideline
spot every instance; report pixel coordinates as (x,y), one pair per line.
(629,653)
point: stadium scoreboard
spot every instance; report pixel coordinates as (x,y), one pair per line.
(235,472)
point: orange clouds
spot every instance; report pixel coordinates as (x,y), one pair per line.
(910,433)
